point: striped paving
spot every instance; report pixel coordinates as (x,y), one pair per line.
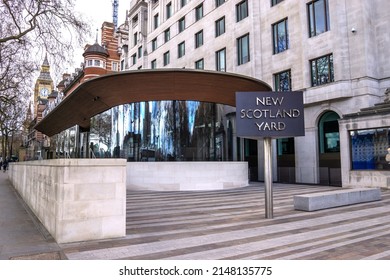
(231,224)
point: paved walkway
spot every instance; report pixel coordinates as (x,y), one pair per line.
(227,224)
(230,224)
(21,235)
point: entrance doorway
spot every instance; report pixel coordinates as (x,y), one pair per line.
(286,160)
(250,155)
(329,149)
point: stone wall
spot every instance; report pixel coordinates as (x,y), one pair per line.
(75,199)
(175,176)
(367,178)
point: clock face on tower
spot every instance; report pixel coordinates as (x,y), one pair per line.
(44,92)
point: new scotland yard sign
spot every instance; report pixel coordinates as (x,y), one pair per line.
(269,114)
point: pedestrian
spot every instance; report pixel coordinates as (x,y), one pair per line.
(5,165)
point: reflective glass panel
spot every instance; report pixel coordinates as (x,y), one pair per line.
(165,131)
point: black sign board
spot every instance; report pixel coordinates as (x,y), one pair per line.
(269,114)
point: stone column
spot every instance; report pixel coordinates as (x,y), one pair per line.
(306,157)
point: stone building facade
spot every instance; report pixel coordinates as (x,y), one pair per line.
(336,52)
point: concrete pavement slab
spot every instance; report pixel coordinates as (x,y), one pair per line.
(21,234)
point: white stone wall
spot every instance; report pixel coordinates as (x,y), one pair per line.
(75,199)
(185,176)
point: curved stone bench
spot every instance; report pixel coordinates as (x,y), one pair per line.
(329,199)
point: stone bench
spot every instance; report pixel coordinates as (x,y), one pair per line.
(329,199)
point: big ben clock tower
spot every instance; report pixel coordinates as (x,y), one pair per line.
(43,87)
(42,90)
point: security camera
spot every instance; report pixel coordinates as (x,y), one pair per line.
(353,30)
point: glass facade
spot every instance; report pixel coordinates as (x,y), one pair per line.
(66,144)
(152,131)
(369,149)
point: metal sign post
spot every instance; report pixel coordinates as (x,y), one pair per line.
(269,115)
(269,209)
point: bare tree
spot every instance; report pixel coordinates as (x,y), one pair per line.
(10,122)
(51,26)
(29,29)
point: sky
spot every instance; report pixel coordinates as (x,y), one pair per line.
(96,12)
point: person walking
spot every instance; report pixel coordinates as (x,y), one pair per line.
(5,165)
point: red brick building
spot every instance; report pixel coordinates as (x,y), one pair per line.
(99,59)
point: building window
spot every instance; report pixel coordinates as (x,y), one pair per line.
(166,58)
(199,64)
(219,2)
(167,35)
(169,10)
(135,38)
(220,58)
(154,44)
(322,71)
(133,59)
(183,3)
(89,62)
(114,66)
(283,81)
(274,2)
(122,65)
(181,49)
(369,148)
(318,16)
(199,39)
(280,36)
(156,21)
(243,49)
(140,52)
(242,10)
(153,64)
(182,24)
(135,20)
(220,27)
(96,63)
(199,12)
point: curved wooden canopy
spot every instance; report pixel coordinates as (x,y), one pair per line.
(100,94)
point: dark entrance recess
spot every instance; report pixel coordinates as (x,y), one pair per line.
(286,160)
(250,147)
(329,148)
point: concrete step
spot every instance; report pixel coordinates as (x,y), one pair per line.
(329,199)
